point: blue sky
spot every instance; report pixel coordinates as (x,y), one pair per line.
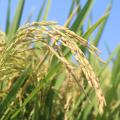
(59,12)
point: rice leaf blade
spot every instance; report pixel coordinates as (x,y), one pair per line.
(93,27)
(17,18)
(41,10)
(47,9)
(102,27)
(71,7)
(82,15)
(8,16)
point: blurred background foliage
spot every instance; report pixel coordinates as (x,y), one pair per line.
(55,96)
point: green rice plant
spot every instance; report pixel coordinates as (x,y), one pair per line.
(49,35)
(53,72)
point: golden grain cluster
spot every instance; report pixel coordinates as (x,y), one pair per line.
(52,38)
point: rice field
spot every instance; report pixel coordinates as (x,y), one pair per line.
(54,72)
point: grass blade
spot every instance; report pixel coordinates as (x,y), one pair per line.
(101,28)
(71,8)
(17,18)
(82,15)
(93,27)
(111,57)
(41,11)
(116,68)
(8,16)
(69,19)
(47,9)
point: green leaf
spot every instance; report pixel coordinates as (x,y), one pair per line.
(102,26)
(78,3)
(36,108)
(90,23)
(110,58)
(116,68)
(81,16)
(71,8)
(59,80)
(17,18)
(8,16)
(93,27)
(47,9)
(41,10)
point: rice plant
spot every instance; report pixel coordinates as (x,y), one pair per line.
(53,72)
